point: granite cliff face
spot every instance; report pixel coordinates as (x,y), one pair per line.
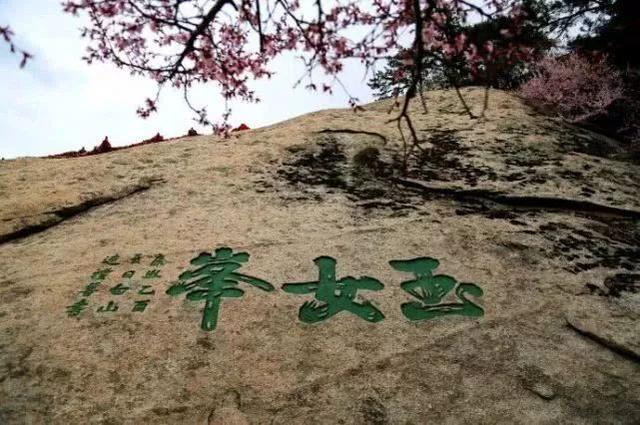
(521,304)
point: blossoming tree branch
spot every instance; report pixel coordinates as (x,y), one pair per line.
(230,42)
(6,35)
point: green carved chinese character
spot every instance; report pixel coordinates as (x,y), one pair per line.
(146,290)
(90,289)
(101,274)
(75,309)
(136,259)
(215,278)
(152,274)
(140,306)
(432,290)
(158,261)
(112,260)
(112,306)
(334,295)
(128,274)
(119,289)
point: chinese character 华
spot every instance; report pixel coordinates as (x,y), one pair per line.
(214,278)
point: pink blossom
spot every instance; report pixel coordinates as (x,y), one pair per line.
(183,43)
(575,87)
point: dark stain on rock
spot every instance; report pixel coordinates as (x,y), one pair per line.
(373,411)
(443,160)
(324,166)
(622,282)
(165,411)
(14,293)
(615,285)
(205,343)
(327,166)
(588,144)
(611,244)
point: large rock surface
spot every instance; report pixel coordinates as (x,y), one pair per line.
(543,217)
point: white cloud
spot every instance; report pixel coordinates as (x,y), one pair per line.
(59,103)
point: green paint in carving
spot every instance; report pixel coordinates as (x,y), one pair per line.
(119,289)
(146,290)
(214,278)
(110,307)
(431,290)
(128,274)
(333,296)
(158,261)
(152,274)
(101,274)
(90,289)
(75,309)
(140,306)
(136,259)
(112,260)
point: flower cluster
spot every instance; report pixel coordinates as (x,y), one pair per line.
(574,86)
(231,42)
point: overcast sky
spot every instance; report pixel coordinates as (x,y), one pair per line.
(59,103)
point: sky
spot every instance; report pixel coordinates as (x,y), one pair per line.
(59,103)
